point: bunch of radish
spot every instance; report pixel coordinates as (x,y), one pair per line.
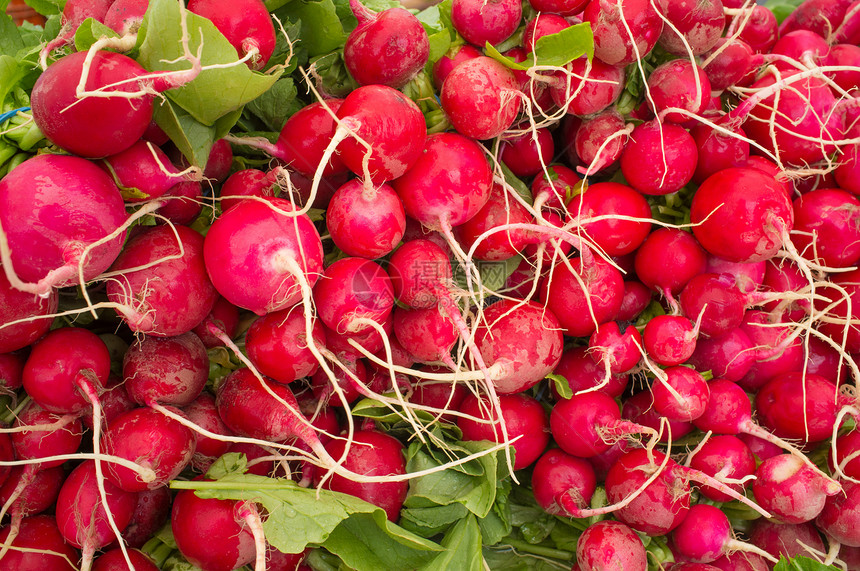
(615,241)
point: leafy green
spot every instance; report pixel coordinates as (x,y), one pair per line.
(800,564)
(562,385)
(782,8)
(277,104)
(555,50)
(322,29)
(356,531)
(493,274)
(46,7)
(193,139)
(214,93)
(89,32)
(462,545)
(10,38)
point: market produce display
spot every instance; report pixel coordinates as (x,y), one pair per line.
(340,285)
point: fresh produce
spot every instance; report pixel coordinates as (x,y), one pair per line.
(344,285)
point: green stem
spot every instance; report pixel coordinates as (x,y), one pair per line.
(526,547)
(10,417)
(256,486)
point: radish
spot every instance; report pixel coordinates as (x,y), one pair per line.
(171,370)
(527,154)
(481,98)
(371,453)
(827,222)
(600,141)
(246,24)
(784,539)
(365,220)
(613,25)
(499,211)
(727,66)
(224,316)
(448,184)
(525,423)
(668,259)
(256,252)
(640,409)
(427,334)
(728,459)
(143,172)
(715,302)
(115,560)
(278,347)
(741,561)
(86,229)
(699,25)
(840,517)
(491,22)
(681,394)
(798,406)
(41,546)
(63,366)
(161,284)
(64,437)
(555,474)
(820,16)
(112,123)
(25,317)
(203,412)
(584,374)
(387,131)
(719,148)
(669,339)
(588,87)
(615,237)
(150,515)
(83,518)
(678,84)
(842,310)
(386,48)
(729,356)
(668,150)
(610,545)
(151,440)
(125,16)
(74,14)
(182,203)
(350,291)
(776,349)
(617,350)
(706,534)
(419,268)
(760,30)
(741,214)
(791,490)
(212,534)
(543,25)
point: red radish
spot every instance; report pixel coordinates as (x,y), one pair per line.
(747,277)
(152,440)
(525,422)
(481,98)
(427,334)
(741,214)
(614,23)
(74,14)
(352,381)
(246,25)
(588,87)
(371,453)
(741,561)
(210,533)
(640,409)
(390,123)
(182,203)
(725,457)
(499,211)
(204,413)
(719,149)
(842,310)
(827,222)
(682,395)
(615,237)
(542,25)
(583,373)
(517,363)
(448,184)
(798,406)
(600,141)
(452,58)
(563,184)
(776,349)
(277,345)
(480,22)
(115,560)
(64,438)
(86,216)
(174,293)
(706,534)
(527,154)
(668,259)
(11,369)
(142,172)
(111,124)
(583,300)
(589,424)
(248,182)
(440,395)
(150,514)
(113,402)
(24,315)
(760,30)
(729,356)
(170,370)
(28,492)
(669,339)
(784,539)
(791,490)
(562,7)
(418,269)
(609,545)
(840,517)
(678,84)
(365,220)
(60,364)
(715,302)
(617,349)
(224,316)
(669,153)
(257,254)
(730,66)
(557,473)
(352,289)
(386,48)
(844,56)
(42,547)
(82,517)
(820,16)
(700,24)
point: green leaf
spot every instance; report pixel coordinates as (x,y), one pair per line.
(782,8)
(353,529)
(368,541)
(231,463)
(89,32)
(47,7)
(800,564)
(557,49)
(497,524)
(462,545)
(322,30)
(562,386)
(10,74)
(215,92)
(430,521)
(10,38)
(276,105)
(493,274)
(193,139)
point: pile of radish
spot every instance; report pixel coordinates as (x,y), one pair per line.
(557,284)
